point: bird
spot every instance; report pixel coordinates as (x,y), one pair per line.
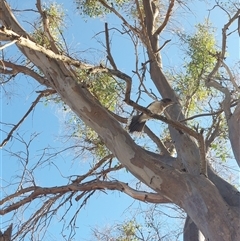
(138,122)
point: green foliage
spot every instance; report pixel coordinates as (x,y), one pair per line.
(201,50)
(222,152)
(128,231)
(104,87)
(149,224)
(107,91)
(201,58)
(55,14)
(91,140)
(93,8)
(219,146)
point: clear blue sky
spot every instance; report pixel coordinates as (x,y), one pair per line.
(102,209)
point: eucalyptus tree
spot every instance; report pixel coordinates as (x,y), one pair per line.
(102,95)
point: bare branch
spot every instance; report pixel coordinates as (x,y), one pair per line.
(221,55)
(149,23)
(8,44)
(167,41)
(99,163)
(21,69)
(207,114)
(166,19)
(149,8)
(37,192)
(109,55)
(214,134)
(9,21)
(232,79)
(104,3)
(158,142)
(118,117)
(42,94)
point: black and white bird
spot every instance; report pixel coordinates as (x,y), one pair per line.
(138,122)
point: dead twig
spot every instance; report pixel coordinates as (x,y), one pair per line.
(42,94)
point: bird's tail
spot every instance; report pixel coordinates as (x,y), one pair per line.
(136,124)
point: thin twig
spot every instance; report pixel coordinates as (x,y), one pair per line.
(109,55)
(8,44)
(166,19)
(42,94)
(206,114)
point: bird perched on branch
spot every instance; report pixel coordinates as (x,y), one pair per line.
(156,107)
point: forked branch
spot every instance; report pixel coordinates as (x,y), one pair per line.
(166,19)
(37,192)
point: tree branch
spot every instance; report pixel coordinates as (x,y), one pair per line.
(98,164)
(223,52)
(42,94)
(211,137)
(166,19)
(181,128)
(21,41)
(8,44)
(22,69)
(9,21)
(46,27)
(232,79)
(177,125)
(109,55)
(210,82)
(104,3)
(207,114)
(158,142)
(37,192)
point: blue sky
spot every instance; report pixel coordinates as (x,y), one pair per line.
(47,120)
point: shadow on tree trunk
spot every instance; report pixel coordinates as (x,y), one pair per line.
(191,232)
